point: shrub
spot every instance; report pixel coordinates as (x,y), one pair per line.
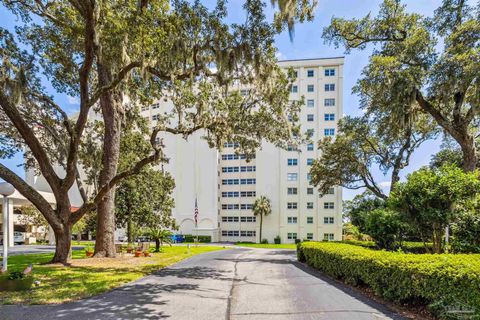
(443,281)
(277,240)
(297,241)
(192,238)
(264,241)
(406,246)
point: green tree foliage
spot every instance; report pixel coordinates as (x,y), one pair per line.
(408,71)
(447,156)
(261,208)
(160,236)
(117,56)
(431,199)
(357,209)
(386,227)
(30,216)
(363,143)
(466,228)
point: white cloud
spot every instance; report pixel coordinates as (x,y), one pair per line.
(280,56)
(385,184)
(73,100)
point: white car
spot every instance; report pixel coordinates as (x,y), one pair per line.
(18,237)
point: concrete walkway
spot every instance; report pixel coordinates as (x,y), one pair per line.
(231,284)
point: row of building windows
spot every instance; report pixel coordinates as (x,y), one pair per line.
(231,145)
(327,102)
(238,181)
(326,220)
(294,191)
(294,162)
(328,87)
(294,177)
(237,219)
(326,236)
(235,156)
(326,205)
(236,194)
(328,73)
(243,206)
(236,233)
(240,169)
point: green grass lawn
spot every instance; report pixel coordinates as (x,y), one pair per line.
(88,276)
(268,245)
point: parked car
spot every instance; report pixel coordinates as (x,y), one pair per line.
(18,237)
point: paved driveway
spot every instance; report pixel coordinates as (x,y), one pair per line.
(231,284)
(32,249)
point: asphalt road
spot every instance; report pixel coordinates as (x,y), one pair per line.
(231,284)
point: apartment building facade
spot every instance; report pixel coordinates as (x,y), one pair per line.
(225,185)
(298,212)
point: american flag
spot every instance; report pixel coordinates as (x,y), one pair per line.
(195,215)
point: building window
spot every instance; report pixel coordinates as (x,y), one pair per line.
(248,233)
(329,116)
(248,194)
(309,161)
(330,87)
(248,169)
(156,117)
(291,147)
(310,88)
(145,108)
(292,220)
(310,147)
(230,194)
(309,236)
(248,219)
(309,190)
(292,176)
(329,72)
(231,145)
(292,162)
(328,220)
(329,205)
(309,205)
(230,206)
(310,103)
(246,206)
(248,181)
(294,89)
(310,132)
(329,132)
(291,205)
(291,236)
(235,157)
(331,191)
(155,105)
(309,117)
(328,236)
(230,169)
(229,181)
(292,191)
(310,73)
(309,177)
(230,233)
(229,219)
(309,220)
(329,102)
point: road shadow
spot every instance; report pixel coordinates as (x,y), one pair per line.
(197,273)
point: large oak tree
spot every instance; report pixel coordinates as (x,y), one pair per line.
(115,56)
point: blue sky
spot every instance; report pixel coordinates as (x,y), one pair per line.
(307,43)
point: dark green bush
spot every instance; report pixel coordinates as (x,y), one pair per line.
(406,246)
(192,238)
(264,241)
(277,240)
(442,281)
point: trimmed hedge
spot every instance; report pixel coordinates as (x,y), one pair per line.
(444,282)
(407,246)
(192,238)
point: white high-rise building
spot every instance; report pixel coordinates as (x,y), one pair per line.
(225,185)
(283,175)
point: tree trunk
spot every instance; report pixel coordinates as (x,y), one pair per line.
(63,245)
(129,229)
(157,245)
(470,157)
(437,239)
(105,242)
(261,223)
